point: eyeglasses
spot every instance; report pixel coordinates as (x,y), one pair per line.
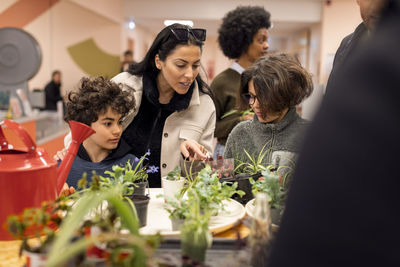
(182,34)
(249,98)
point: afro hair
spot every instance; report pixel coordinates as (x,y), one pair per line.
(239,27)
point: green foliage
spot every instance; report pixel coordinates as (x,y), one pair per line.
(253,164)
(207,190)
(126,176)
(234,111)
(270,184)
(88,207)
(211,192)
(195,237)
(40,223)
(175,174)
(178,208)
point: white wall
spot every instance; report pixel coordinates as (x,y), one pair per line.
(66,24)
(338,20)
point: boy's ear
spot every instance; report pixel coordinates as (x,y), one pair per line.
(157,61)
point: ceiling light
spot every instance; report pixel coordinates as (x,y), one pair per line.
(184,22)
(131,25)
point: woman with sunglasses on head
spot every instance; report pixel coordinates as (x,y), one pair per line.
(272,87)
(174,115)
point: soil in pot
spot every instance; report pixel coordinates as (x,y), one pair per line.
(140,189)
(141,204)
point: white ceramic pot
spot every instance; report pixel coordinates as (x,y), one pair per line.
(171,187)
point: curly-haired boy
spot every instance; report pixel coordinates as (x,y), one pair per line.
(102,105)
(243,37)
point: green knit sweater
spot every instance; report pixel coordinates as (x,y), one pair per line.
(282,140)
(225,87)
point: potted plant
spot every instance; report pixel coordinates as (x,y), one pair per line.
(195,237)
(178,209)
(134,178)
(207,190)
(118,229)
(212,192)
(36,228)
(251,167)
(134,182)
(271,184)
(173,183)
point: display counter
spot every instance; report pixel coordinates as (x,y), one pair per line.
(46,129)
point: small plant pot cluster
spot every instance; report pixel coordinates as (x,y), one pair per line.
(100,205)
(190,212)
(134,182)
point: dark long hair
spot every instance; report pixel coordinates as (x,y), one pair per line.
(164,43)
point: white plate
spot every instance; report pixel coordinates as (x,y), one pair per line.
(158,218)
(250,208)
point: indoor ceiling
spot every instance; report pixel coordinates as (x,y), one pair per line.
(288,16)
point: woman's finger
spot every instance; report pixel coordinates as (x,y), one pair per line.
(184,150)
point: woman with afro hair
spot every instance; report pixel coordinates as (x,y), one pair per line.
(243,37)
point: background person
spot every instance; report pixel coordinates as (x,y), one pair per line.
(272,87)
(52,91)
(369,10)
(342,208)
(174,110)
(243,37)
(127,60)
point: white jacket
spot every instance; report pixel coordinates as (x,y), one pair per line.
(197,122)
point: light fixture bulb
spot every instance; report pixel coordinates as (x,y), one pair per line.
(168,22)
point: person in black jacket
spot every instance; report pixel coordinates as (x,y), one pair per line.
(342,209)
(369,14)
(52,91)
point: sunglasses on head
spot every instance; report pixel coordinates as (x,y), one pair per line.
(182,34)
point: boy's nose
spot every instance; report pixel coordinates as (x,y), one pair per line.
(117,130)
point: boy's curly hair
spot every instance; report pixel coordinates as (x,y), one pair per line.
(238,28)
(93,98)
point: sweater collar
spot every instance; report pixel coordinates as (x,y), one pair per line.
(177,103)
(122,149)
(290,116)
